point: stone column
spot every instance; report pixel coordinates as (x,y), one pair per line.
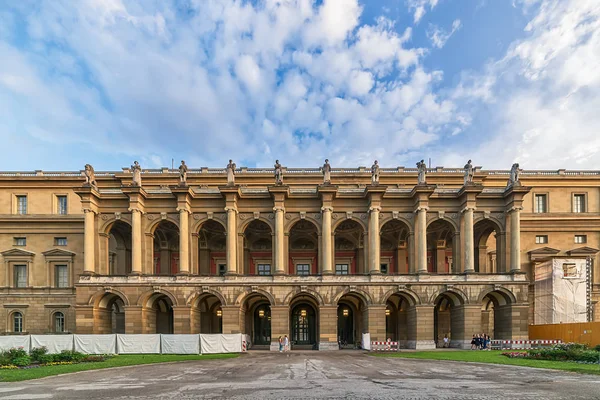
(515,239)
(184,243)
(279,241)
(374,242)
(327,267)
(421,240)
(469,240)
(181,319)
(136,242)
(231,240)
(89,248)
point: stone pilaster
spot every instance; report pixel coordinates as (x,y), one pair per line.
(421,240)
(280,325)
(327,246)
(467,233)
(231,242)
(181,319)
(231,319)
(466,322)
(184,242)
(328,328)
(136,241)
(279,241)
(376,322)
(421,330)
(89,242)
(374,241)
(515,239)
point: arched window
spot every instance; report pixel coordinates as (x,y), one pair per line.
(17,322)
(59,322)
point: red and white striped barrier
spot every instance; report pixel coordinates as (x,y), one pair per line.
(522,344)
(244,346)
(385,346)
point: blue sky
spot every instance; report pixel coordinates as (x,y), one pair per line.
(107,82)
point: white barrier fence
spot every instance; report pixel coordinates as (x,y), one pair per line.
(131,344)
(385,346)
(522,344)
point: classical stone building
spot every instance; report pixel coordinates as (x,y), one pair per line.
(319,254)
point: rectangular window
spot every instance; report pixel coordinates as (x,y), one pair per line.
(264,269)
(580,239)
(541,239)
(61,203)
(222,269)
(384,268)
(60,241)
(570,271)
(62,276)
(20,241)
(341,269)
(579,203)
(541,203)
(20,276)
(21,204)
(303,269)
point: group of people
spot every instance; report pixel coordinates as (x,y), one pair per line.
(284,344)
(480,341)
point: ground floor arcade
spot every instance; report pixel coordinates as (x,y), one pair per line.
(316,314)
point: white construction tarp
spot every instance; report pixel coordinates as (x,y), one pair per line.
(54,343)
(366,341)
(218,343)
(96,344)
(9,342)
(180,344)
(138,344)
(560,291)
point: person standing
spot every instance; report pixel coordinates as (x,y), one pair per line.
(446,341)
(286,343)
(280,344)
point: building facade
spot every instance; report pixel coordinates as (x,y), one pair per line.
(322,255)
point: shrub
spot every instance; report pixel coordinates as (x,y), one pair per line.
(95,358)
(68,355)
(570,346)
(9,356)
(516,354)
(597,348)
(22,361)
(45,358)
(38,352)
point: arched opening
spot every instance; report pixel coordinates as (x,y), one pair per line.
(258,249)
(119,248)
(256,309)
(58,322)
(394,251)
(349,249)
(166,248)
(487,237)
(303,248)
(159,314)
(207,314)
(351,321)
(304,321)
(496,315)
(212,257)
(397,319)
(17,322)
(447,320)
(109,315)
(440,247)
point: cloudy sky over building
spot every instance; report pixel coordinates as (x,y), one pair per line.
(110,81)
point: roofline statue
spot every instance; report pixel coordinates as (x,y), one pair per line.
(375,173)
(137,174)
(515,174)
(326,169)
(422,172)
(90,176)
(278,173)
(231,173)
(183,169)
(469,173)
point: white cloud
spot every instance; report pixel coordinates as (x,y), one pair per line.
(542,97)
(439,36)
(419,7)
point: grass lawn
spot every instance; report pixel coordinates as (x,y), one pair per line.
(494,357)
(14,375)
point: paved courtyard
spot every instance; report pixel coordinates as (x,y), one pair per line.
(295,375)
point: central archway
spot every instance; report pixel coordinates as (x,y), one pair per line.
(256,322)
(207,314)
(303,330)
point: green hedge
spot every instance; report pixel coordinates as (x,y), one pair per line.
(18,357)
(561,352)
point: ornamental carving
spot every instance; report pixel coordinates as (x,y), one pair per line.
(197,217)
(335,216)
(256,214)
(271,216)
(288,216)
(105,217)
(222,216)
(150,217)
(317,216)
(363,216)
(243,216)
(453,216)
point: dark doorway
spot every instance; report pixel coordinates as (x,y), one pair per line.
(303,321)
(262,325)
(345,317)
